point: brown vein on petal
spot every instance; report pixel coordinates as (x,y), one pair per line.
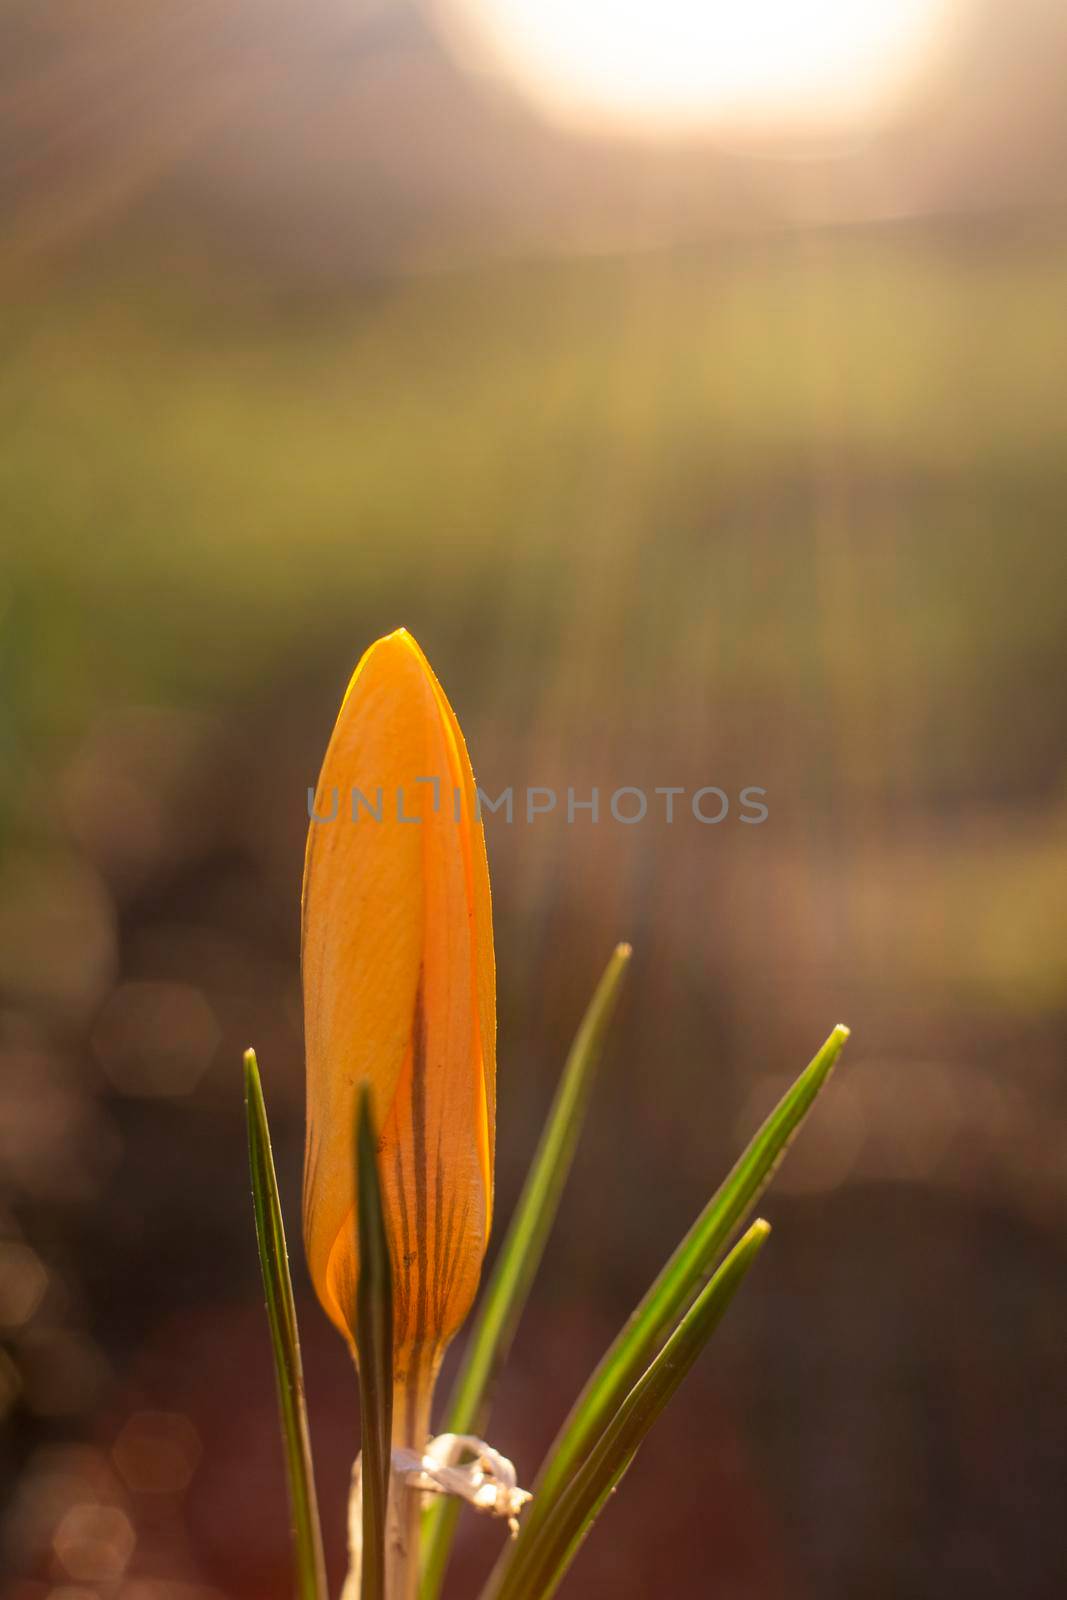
(402,1263)
(309,857)
(311,1167)
(412,1393)
(418,1142)
(447,1262)
(438,1205)
(453,1266)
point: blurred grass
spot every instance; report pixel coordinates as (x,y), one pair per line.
(797,501)
(693,442)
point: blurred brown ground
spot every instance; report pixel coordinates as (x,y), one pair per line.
(686,466)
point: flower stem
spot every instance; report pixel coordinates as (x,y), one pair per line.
(412,1400)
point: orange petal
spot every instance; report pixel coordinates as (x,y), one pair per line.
(399,990)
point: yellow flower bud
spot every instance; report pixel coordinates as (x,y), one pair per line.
(399,992)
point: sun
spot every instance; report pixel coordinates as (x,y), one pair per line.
(680,64)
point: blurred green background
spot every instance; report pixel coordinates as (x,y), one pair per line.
(688,461)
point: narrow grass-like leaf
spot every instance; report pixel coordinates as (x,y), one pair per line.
(675,1287)
(535,1573)
(285,1343)
(520,1255)
(374,1340)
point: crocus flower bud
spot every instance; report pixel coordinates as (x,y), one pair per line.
(399,993)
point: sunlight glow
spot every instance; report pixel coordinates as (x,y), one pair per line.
(676,64)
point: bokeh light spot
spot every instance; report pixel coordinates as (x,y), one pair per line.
(63,1372)
(10,1383)
(23,1281)
(156,1039)
(157,1452)
(95,1543)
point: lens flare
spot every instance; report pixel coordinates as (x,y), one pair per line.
(687,63)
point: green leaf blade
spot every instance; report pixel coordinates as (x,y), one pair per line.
(674,1288)
(374,1339)
(520,1255)
(538,1572)
(285,1343)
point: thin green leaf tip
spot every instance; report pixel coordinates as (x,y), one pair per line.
(374,1328)
(675,1287)
(285,1342)
(539,1565)
(521,1253)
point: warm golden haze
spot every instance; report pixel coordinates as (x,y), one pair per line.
(399,994)
(686,65)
